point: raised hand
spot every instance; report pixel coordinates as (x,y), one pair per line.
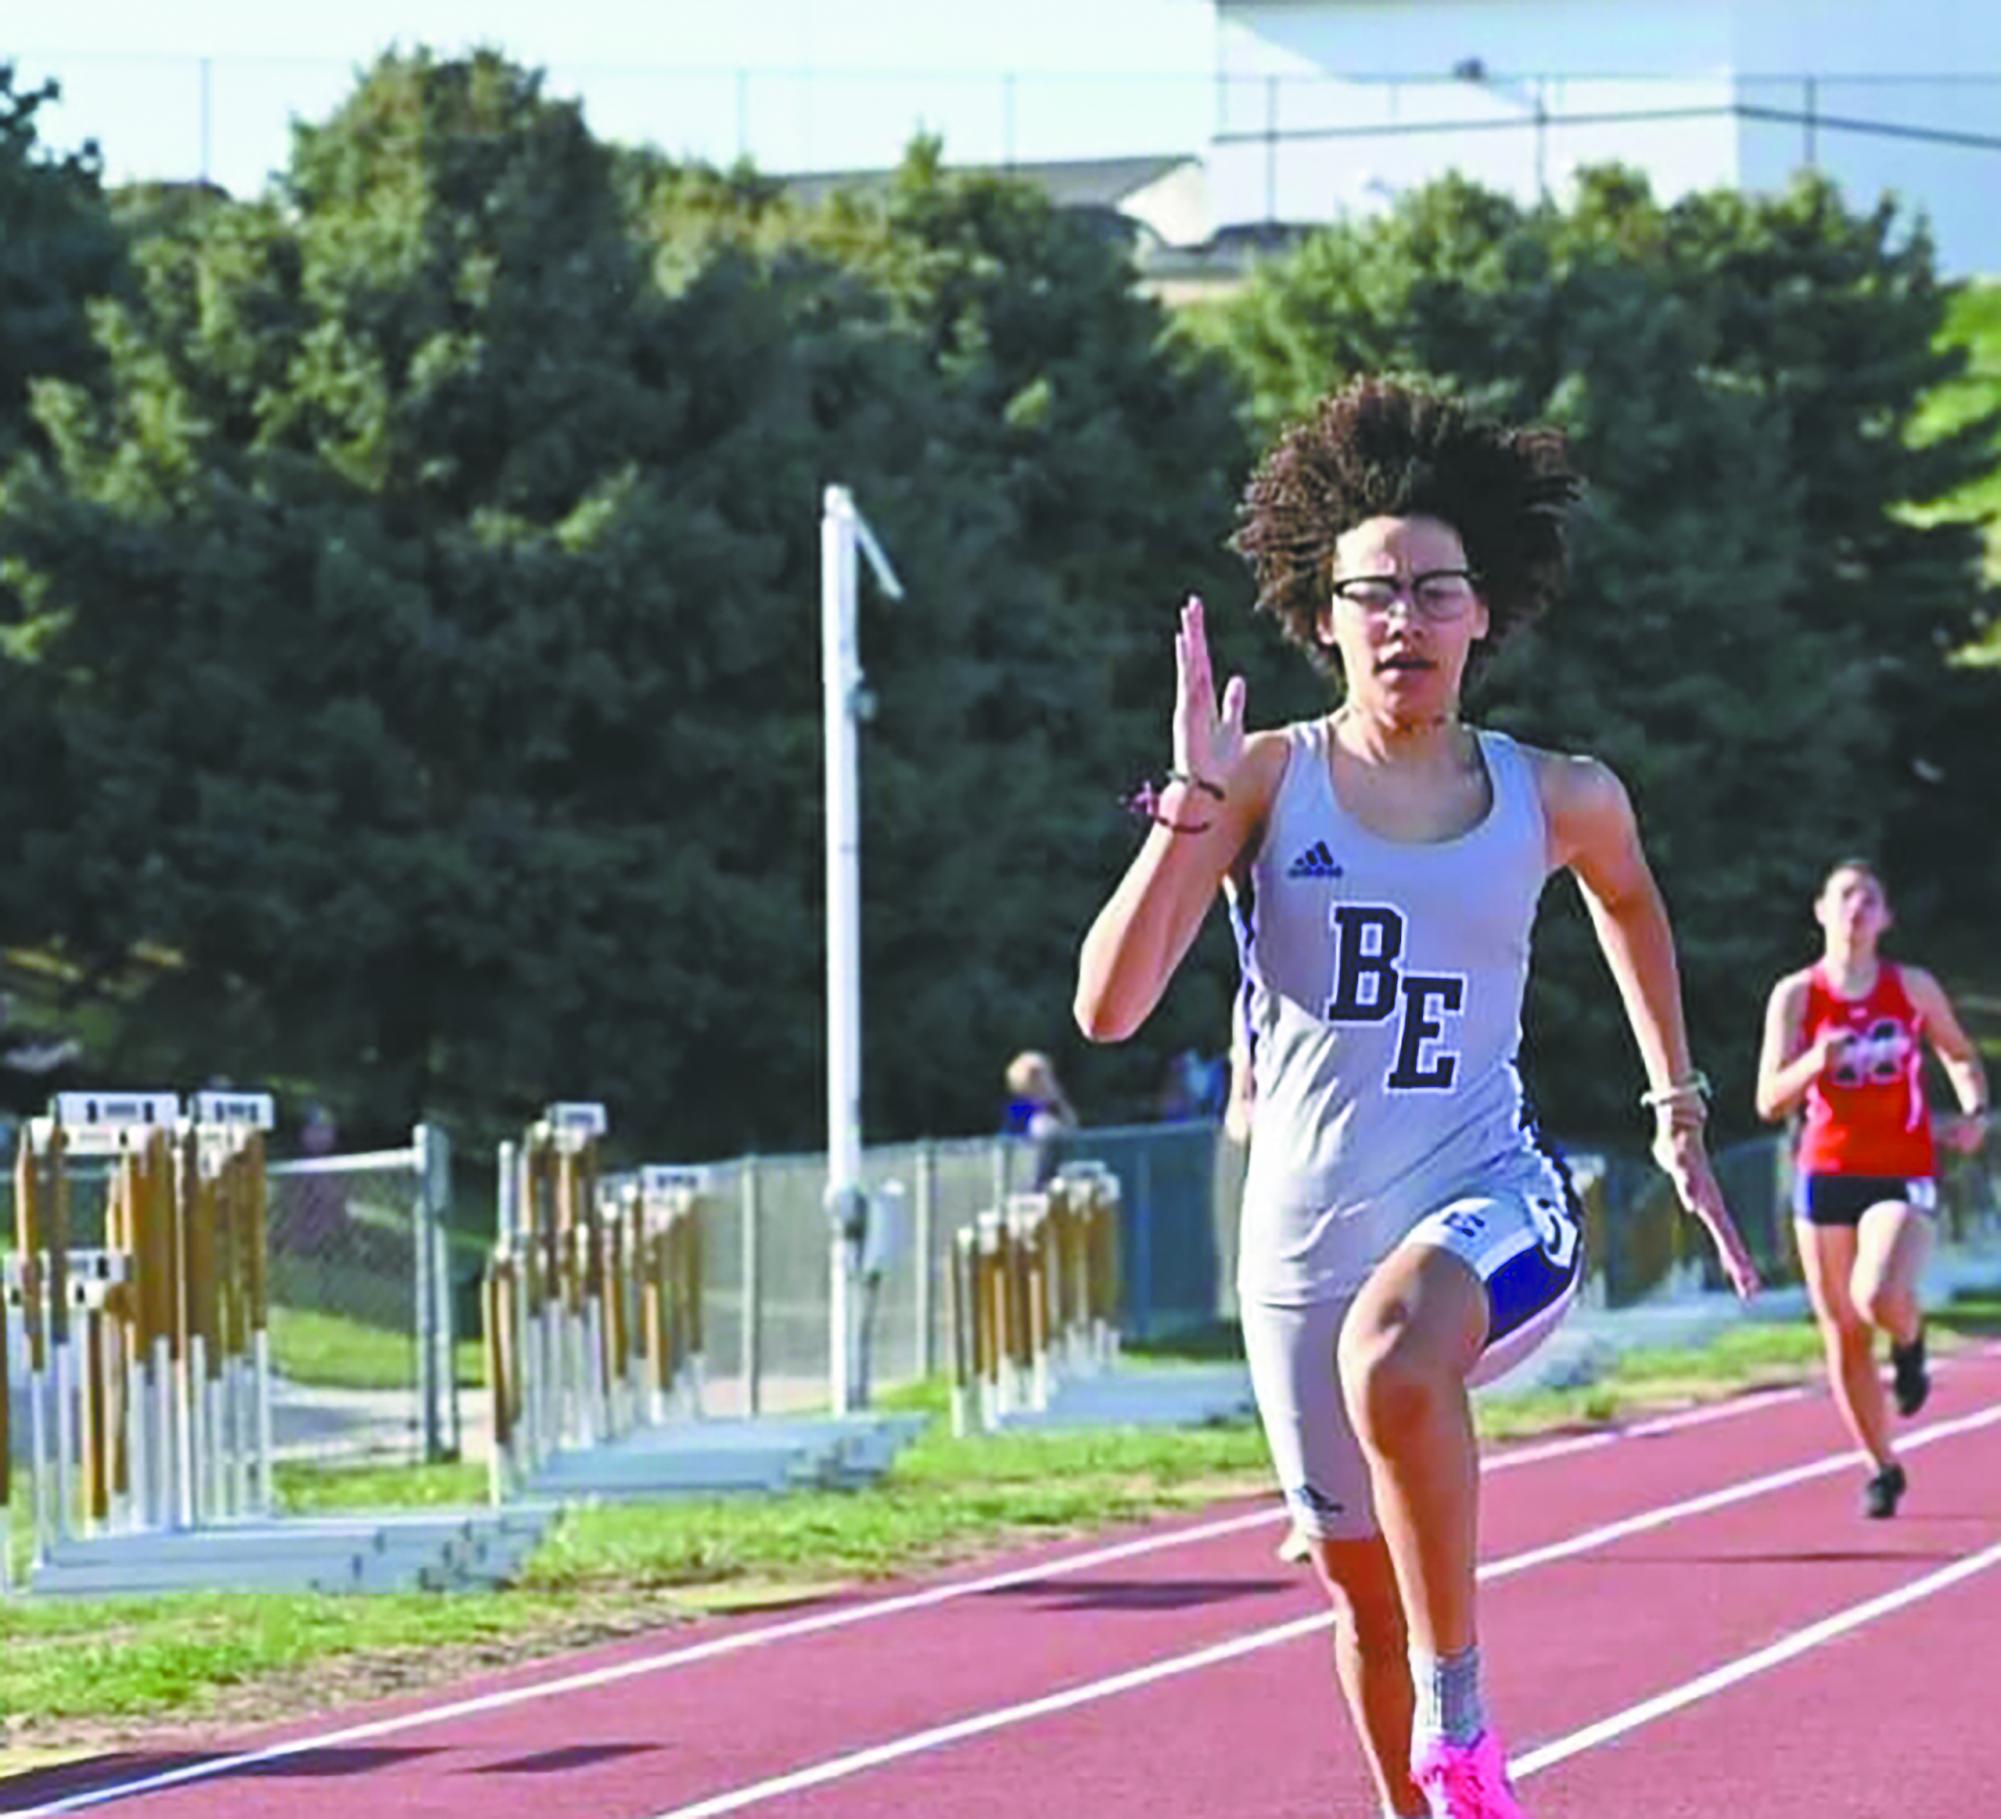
(1207,742)
(1679,1151)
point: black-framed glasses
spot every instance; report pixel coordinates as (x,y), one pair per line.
(1439,595)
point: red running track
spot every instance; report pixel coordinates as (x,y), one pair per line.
(1797,1660)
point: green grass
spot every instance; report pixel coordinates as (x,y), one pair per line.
(338,1352)
(942,1498)
(615,1568)
(108,1658)
(312,1490)
(1746,1357)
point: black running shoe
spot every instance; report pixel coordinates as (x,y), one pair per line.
(1880,1494)
(1912,1383)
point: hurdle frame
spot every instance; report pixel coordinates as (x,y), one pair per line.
(1034,1296)
(591,1298)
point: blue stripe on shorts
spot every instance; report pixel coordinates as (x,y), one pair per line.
(1521,1288)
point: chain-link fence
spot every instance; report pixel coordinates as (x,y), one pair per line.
(361,1316)
(767,1257)
(362,1313)
(1639,1245)
(374,1319)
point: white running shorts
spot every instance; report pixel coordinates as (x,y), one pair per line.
(1521,1241)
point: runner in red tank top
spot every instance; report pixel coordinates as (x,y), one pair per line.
(1844,1038)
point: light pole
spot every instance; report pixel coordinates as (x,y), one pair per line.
(846,702)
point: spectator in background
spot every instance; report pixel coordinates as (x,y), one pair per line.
(314,1212)
(1192,1087)
(1037,1108)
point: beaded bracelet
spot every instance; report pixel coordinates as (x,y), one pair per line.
(1145,802)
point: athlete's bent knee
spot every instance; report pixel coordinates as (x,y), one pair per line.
(1389,1389)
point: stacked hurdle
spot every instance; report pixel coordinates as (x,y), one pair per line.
(230,1303)
(592,1297)
(1034,1292)
(148,1355)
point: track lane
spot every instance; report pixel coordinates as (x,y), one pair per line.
(641,1744)
(1566,1645)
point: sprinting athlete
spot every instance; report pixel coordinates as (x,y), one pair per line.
(1405,1233)
(1845,1038)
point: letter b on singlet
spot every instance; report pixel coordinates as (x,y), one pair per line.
(1367,941)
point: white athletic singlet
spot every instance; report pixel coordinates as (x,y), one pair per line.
(1384,986)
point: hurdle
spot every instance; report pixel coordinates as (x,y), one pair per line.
(1033,1289)
(229,1299)
(148,1381)
(592,1297)
(541,1293)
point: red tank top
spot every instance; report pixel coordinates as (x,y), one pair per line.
(1866,1115)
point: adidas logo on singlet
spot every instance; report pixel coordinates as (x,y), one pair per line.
(1315,862)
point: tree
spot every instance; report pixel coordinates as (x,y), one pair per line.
(1738,376)
(426,620)
(1115,449)
(60,248)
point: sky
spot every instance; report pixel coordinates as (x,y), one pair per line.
(208,87)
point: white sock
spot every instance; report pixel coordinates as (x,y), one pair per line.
(1448,1695)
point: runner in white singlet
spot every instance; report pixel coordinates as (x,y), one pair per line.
(1405,1232)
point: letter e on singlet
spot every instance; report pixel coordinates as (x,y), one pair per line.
(1428,998)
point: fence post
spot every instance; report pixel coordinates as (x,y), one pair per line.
(1138,1284)
(920,1244)
(437,1377)
(749,1337)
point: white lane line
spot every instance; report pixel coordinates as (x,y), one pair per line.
(1719,1679)
(837,1768)
(854,1762)
(1534,1453)
(590,1679)
(1742,1492)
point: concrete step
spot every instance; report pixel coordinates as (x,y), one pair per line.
(729,1458)
(1196,1396)
(392,1551)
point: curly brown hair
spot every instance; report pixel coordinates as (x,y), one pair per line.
(1386,448)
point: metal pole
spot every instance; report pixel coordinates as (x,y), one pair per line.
(438,1179)
(207,117)
(841,679)
(750,1337)
(1811,108)
(843,535)
(1139,1286)
(1271,150)
(920,1245)
(1541,139)
(422,1260)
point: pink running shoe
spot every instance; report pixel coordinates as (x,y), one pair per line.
(1467,1780)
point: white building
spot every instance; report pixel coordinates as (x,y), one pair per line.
(1331,107)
